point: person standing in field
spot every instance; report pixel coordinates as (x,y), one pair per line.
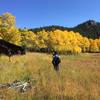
(56,61)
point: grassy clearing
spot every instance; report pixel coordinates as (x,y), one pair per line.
(78,79)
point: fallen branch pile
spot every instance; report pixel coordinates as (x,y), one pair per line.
(21,86)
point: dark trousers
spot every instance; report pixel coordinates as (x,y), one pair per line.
(56,67)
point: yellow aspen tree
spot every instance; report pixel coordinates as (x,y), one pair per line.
(94,46)
(28,39)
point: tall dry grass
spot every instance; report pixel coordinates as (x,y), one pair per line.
(78,78)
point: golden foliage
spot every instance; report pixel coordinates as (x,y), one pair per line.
(8,30)
(62,41)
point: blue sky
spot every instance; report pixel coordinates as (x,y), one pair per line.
(36,13)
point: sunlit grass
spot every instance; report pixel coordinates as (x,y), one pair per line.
(78,78)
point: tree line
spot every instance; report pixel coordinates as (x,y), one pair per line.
(63,41)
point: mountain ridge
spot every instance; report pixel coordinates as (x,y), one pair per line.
(89,28)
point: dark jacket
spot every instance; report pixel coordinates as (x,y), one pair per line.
(56,60)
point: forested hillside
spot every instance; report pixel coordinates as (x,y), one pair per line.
(90,29)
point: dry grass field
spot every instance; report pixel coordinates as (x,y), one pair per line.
(78,78)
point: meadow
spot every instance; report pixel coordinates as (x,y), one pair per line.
(78,78)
